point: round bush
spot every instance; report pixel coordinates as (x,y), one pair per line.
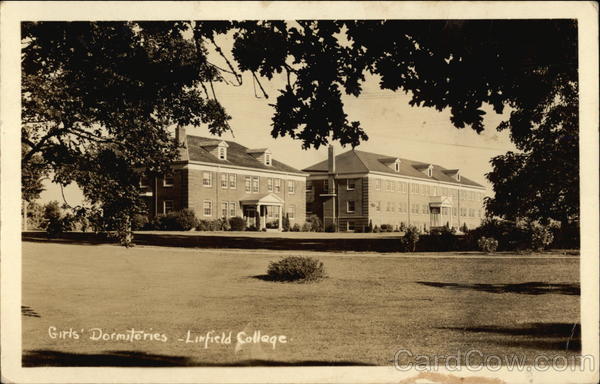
(237,223)
(487,244)
(296,268)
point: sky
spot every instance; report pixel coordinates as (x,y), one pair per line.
(393,126)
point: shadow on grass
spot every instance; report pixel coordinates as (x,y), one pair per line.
(29,312)
(546,336)
(49,358)
(529,288)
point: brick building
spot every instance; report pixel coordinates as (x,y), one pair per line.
(356,187)
(218,178)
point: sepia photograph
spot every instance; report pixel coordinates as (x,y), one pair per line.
(362,197)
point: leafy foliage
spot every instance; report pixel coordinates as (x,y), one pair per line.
(487,244)
(410,238)
(296,268)
(237,223)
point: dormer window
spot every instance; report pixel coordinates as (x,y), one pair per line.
(430,171)
(267,158)
(222,153)
(397,166)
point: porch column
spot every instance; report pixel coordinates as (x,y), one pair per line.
(280,217)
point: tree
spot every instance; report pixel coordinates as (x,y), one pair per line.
(94,87)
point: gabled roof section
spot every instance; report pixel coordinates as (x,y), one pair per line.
(355,161)
(237,155)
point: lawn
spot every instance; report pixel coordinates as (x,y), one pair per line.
(370,306)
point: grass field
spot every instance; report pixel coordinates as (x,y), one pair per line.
(370,306)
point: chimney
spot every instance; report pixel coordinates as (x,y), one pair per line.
(331,170)
(180,135)
(331,160)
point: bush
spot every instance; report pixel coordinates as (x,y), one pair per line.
(541,236)
(331,228)
(296,268)
(139,221)
(213,225)
(54,222)
(509,235)
(376,229)
(487,244)
(296,227)
(314,223)
(410,238)
(369,228)
(444,239)
(183,220)
(252,228)
(237,223)
(285,223)
(306,227)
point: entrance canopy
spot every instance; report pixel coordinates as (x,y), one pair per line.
(266,199)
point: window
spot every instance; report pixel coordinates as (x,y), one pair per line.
(388,186)
(415,208)
(430,171)
(378,206)
(255,184)
(232,181)
(144,181)
(232,209)
(350,225)
(270,184)
(291,211)
(207,208)
(223,209)
(248,184)
(291,186)
(388,206)
(350,184)
(393,185)
(378,184)
(309,186)
(222,153)
(453,211)
(277,185)
(425,209)
(168,180)
(325,186)
(463,212)
(404,187)
(397,166)
(207,179)
(471,212)
(393,207)
(224,180)
(267,159)
(350,206)
(167,206)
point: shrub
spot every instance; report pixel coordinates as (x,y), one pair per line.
(213,225)
(402,227)
(541,236)
(487,244)
(285,223)
(296,268)
(376,229)
(510,236)
(315,223)
(237,223)
(410,238)
(306,227)
(138,222)
(252,228)
(331,228)
(369,228)
(296,227)
(183,220)
(444,239)
(54,222)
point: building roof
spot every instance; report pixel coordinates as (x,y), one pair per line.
(237,155)
(355,161)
